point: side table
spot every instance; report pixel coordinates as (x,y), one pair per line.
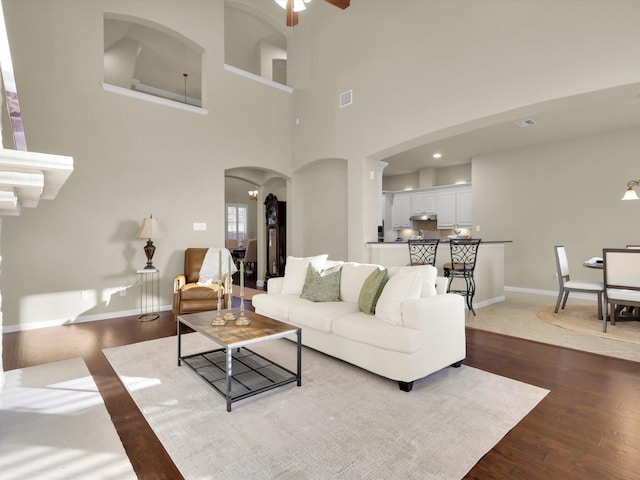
(149,294)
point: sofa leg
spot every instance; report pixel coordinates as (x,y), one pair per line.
(457,364)
(405,386)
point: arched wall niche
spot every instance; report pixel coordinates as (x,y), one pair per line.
(253,43)
(151,58)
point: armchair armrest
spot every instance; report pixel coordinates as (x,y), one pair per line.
(179,282)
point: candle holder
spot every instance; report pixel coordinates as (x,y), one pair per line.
(219,319)
(228,295)
(242,317)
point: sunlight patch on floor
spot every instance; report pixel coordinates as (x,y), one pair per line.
(54,425)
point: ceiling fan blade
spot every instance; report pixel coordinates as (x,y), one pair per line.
(339,3)
(292,17)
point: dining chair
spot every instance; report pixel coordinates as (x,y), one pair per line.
(566,285)
(423,252)
(622,283)
(231,243)
(464,253)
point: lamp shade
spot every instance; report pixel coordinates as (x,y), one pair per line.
(149,229)
(630,194)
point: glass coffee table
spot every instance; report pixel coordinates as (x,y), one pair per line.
(235,371)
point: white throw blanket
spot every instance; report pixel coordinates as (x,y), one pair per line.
(209,269)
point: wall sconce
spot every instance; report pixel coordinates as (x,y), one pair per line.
(253,195)
(149,230)
(631,194)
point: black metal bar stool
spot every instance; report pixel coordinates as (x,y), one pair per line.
(423,252)
(463,263)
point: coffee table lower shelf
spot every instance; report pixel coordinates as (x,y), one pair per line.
(252,373)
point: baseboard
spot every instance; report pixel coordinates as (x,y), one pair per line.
(552,293)
(79,319)
(490,301)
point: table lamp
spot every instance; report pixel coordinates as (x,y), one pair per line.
(149,230)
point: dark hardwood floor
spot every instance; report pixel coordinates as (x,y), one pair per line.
(588,427)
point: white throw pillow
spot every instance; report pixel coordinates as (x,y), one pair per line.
(429,276)
(403,285)
(353,277)
(295,272)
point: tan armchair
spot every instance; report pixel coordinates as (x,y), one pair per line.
(188,296)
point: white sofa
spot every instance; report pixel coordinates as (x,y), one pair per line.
(416,330)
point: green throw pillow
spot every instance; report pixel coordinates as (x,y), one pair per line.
(371,290)
(322,286)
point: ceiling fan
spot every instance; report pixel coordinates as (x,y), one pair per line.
(294,6)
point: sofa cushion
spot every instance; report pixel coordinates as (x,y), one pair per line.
(296,270)
(319,316)
(352,278)
(373,331)
(276,305)
(429,276)
(403,285)
(371,290)
(322,286)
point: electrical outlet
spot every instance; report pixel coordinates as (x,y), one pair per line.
(477,228)
(84,295)
(200,226)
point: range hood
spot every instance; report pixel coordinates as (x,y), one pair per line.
(423,216)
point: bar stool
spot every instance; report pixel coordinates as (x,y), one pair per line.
(463,263)
(423,252)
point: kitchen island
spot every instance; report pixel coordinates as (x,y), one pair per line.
(489,273)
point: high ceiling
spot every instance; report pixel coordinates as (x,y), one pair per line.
(561,119)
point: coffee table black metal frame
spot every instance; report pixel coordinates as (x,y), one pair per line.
(235,371)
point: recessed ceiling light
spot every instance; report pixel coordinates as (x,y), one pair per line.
(529,122)
(437,155)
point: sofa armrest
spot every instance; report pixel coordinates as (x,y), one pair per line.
(441,285)
(274,285)
(432,314)
(441,320)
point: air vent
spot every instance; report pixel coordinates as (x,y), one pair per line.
(346,98)
(526,123)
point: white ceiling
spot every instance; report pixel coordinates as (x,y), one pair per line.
(561,119)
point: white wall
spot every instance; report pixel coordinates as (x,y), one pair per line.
(416,69)
(561,193)
(324,210)
(132,158)
(419,68)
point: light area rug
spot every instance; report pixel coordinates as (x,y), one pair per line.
(584,319)
(342,423)
(54,425)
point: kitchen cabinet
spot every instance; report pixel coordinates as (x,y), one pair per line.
(401,211)
(454,207)
(423,203)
